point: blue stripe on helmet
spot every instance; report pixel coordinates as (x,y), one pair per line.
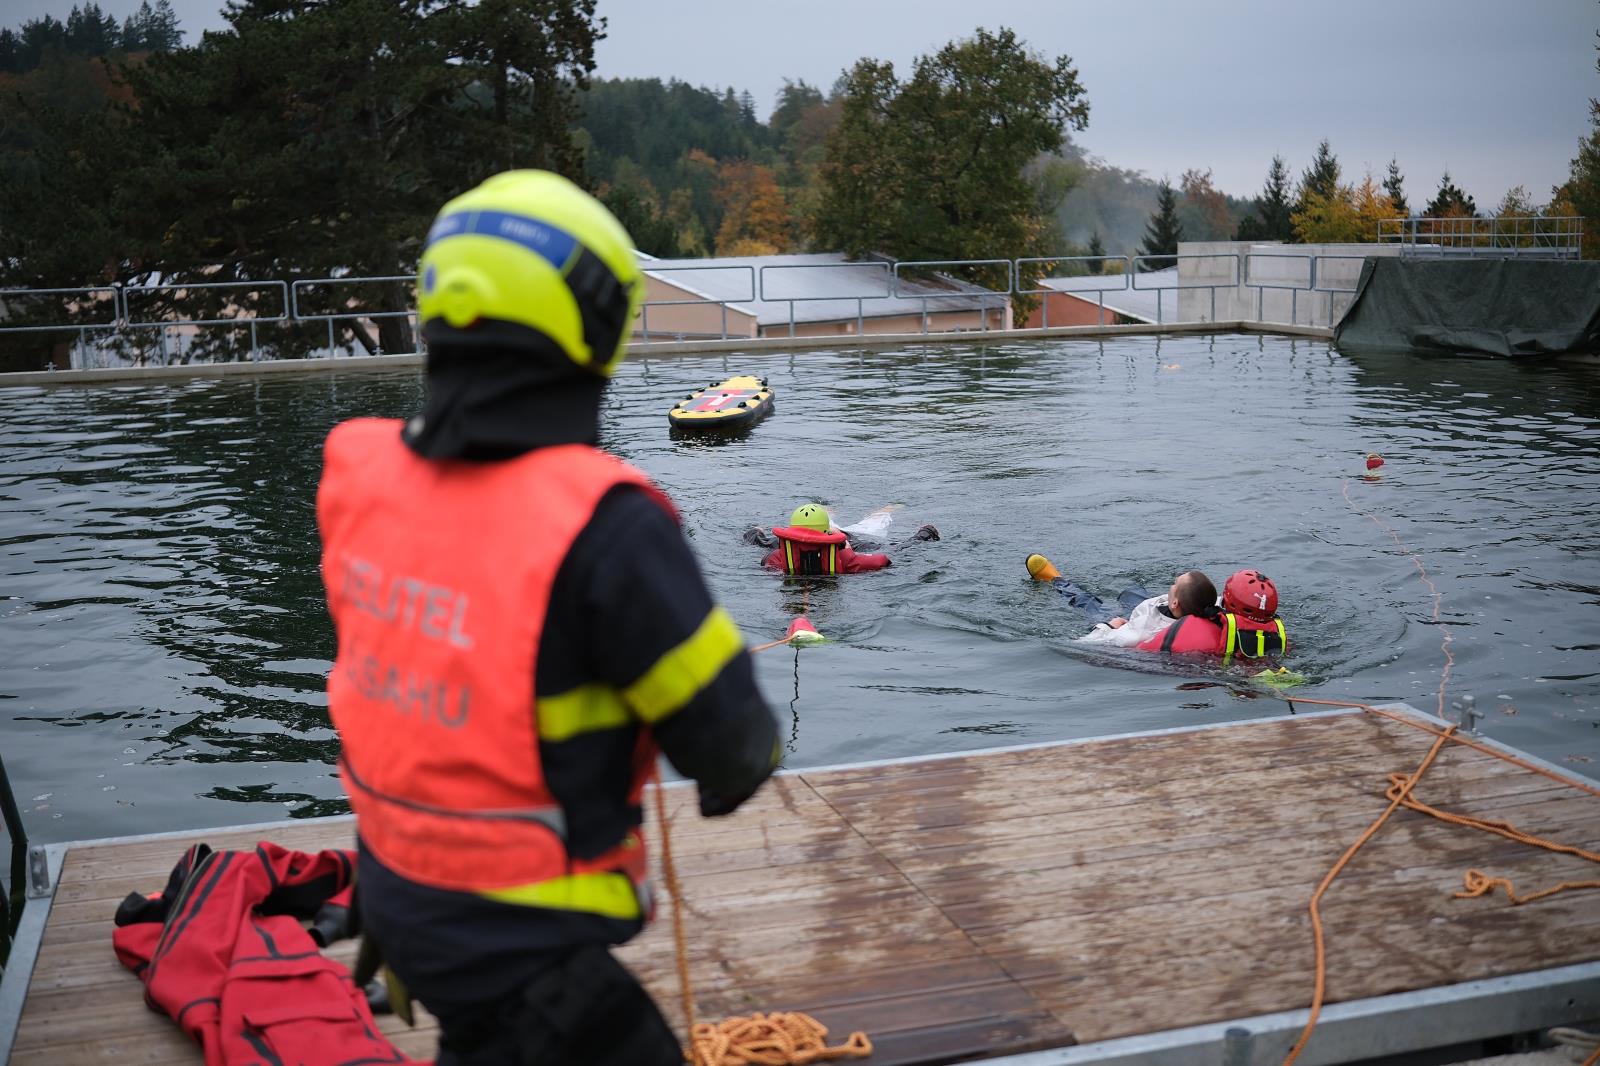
(542,239)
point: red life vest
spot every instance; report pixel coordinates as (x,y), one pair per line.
(438,576)
(807,551)
(1251,639)
(1189,634)
(223,953)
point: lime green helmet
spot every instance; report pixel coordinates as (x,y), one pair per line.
(810,516)
(530,251)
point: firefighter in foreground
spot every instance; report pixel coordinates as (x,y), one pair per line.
(521,627)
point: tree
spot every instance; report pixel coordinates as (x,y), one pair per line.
(1394,188)
(1450,202)
(936,167)
(332,132)
(1272,221)
(1163,232)
(1580,193)
(1204,212)
(754,214)
(1096,248)
(1322,177)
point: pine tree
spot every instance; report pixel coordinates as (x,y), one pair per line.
(1096,248)
(1322,177)
(1394,189)
(1163,232)
(1272,220)
(1450,202)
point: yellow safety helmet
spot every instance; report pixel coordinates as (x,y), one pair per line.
(530,249)
(810,516)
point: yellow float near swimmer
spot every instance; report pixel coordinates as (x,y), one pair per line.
(739,401)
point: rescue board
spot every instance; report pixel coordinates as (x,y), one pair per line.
(741,400)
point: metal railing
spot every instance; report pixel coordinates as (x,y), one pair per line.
(135,294)
(349,314)
(1077,288)
(874,270)
(981,293)
(93,315)
(14,893)
(1558,237)
(737,268)
(1141,270)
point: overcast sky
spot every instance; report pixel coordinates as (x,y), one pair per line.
(1495,91)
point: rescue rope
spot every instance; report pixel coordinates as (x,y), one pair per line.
(1399,794)
(1422,572)
(1320,985)
(781,1038)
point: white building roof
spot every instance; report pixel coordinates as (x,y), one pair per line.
(817,287)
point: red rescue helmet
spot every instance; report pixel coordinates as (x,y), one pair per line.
(1252,594)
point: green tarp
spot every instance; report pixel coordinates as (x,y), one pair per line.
(1507,307)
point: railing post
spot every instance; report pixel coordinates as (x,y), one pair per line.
(330,338)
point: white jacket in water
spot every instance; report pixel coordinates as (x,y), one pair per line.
(1145,621)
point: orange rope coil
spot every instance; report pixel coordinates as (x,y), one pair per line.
(776,1039)
(782,1038)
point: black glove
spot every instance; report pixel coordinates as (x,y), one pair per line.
(760,537)
(927,532)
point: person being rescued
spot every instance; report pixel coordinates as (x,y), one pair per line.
(1187,619)
(810,544)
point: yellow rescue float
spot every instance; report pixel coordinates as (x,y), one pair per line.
(739,401)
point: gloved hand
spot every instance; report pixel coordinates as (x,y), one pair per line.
(927,532)
(715,806)
(758,536)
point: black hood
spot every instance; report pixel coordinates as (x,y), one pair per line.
(492,401)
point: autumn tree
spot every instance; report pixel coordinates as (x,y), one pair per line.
(755,218)
(1204,211)
(1351,214)
(1580,193)
(1272,220)
(936,166)
(1163,232)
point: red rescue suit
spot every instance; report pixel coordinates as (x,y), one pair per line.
(1190,634)
(439,576)
(807,551)
(223,953)
(1230,635)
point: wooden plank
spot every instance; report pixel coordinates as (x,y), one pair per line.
(984,904)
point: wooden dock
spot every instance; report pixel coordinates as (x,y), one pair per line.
(987,905)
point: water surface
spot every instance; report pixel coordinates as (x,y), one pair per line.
(165,640)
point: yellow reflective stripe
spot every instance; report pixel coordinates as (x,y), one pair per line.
(1283,636)
(788,557)
(608,894)
(580,710)
(682,672)
(833,558)
(1233,637)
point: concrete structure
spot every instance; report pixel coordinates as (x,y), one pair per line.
(815,295)
(1270,281)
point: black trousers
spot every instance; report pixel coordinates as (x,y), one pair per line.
(583,1009)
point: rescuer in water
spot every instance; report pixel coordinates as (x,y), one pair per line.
(521,627)
(1184,619)
(811,545)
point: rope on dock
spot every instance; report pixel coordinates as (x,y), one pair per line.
(781,1038)
(1399,794)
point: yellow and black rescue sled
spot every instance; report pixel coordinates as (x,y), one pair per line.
(735,403)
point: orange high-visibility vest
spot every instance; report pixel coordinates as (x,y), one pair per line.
(438,576)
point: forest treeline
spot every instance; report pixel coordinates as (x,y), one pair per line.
(308,139)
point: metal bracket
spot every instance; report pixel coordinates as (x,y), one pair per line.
(38,873)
